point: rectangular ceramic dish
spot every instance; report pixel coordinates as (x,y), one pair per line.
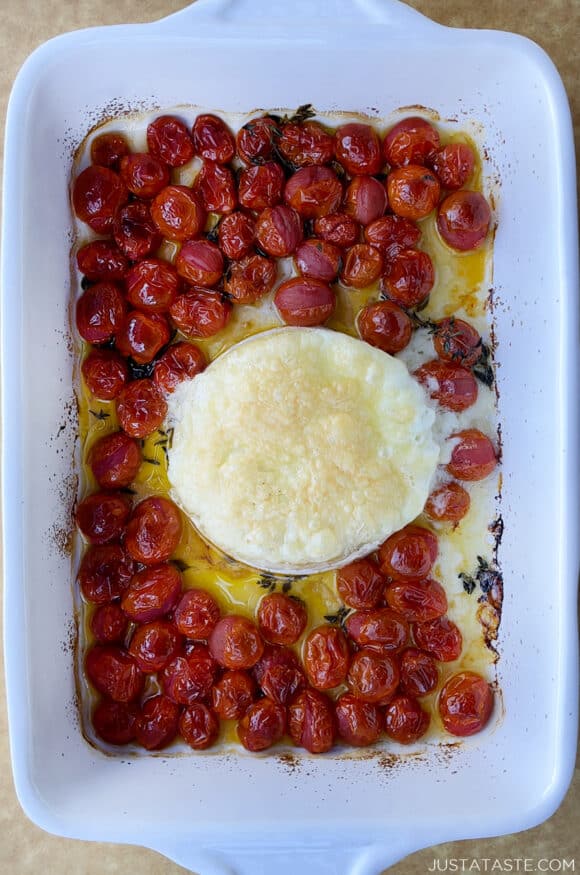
(252,815)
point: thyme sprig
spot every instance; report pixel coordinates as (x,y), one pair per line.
(486,576)
(339,618)
(99,414)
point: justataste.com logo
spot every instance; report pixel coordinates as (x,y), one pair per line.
(495,864)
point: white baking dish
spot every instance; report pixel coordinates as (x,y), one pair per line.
(253,815)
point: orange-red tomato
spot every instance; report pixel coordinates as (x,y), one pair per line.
(465,703)
(412,141)
(408,278)
(154,530)
(153,645)
(358,149)
(261,186)
(279,230)
(182,361)
(109,624)
(143,174)
(141,408)
(115,722)
(157,723)
(318,260)
(448,503)
(359,723)
(279,674)
(105,373)
(326,657)
(413,191)
(114,673)
(262,725)
(178,213)
(313,191)
(417,600)
(100,312)
(384,325)
(306,143)
(360,584)
(98,194)
(255,140)
(409,553)
(457,341)
(419,672)
(473,455)
(233,694)
(235,642)
(105,572)
(168,140)
(114,460)
(102,260)
(392,234)
(196,614)
(199,726)
(453,164)
(142,335)
(135,231)
(453,386)
(463,220)
(311,721)
(373,677)
(152,285)
(212,139)
(365,199)
(281,619)
(152,593)
(200,313)
(304,301)
(236,234)
(188,679)
(362,266)
(441,637)
(108,149)
(250,279)
(380,629)
(200,262)
(337,228)
(216,187)
(405,720)
(102,516)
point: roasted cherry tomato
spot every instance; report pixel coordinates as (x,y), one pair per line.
(409,553)
(255,140)
(98,194)
(318,260)
(463,220)
(313,192)
(405,720)
(200,262)
(457,341)
(413,191)
(408,278)
(281,619)
(115,722)
(105,573)
(100,312)
(392,234)
(188,679)
(261,186)
(385,326)
(380,629)
(236,234)
(279,230)
(213,140)
(362,266)
(250,279)
(141,408)
(417,600)
(109,624)
(153,645)
(153,592)
(114,460)
(235,642)
(465,703)
(114,673)
(304,143)
(200,313)
(143,174)
(169,141)
(365,199)
(326,657)
(358,149)
(157,723)
(102,260)
(233,694)
(454,387)
(154,530)
(337,228)
(142,335)
(199,726)
(359,723)
(373,677)
(108,149)
(360,584)
(216,188)
(182,361)
(419,672)
(412,141)
(473,455)
(453,164)
(152,285)
(105,373)
(303,301)
(448,503)
(102,516)
(441,637)
(178,213)
(279,674)
(196,614)
(135,232)
(262,725)
(311,721)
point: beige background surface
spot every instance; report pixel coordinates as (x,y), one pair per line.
(24,24)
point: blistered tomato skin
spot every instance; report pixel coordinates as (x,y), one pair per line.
(250,279)
(261,186)
(216,187)
(115,722)
(380,629)
(153,645)
(464,219)
(169,141)
(262,725)
(362,266)
(360,584)
(413,191)
(419,672)
(98,193)
(392,234)
(100,312)
(152,593)
(196,614)
(358,149)
(453,386)
(188,679)
(408,278)
(135,232)
(278,674)
(115,460)
(181,361)
(373,677)
(409,553)
(318,260)
(157,723)
(279,230)
(303,301)
(457,341)
(142,335)
(311,721)
(152,285)
(359,723)
(365,199)
(384,325)
(337,228)
(200,262)
(105,573)
(109,624)
(441,637)
(114,673)
(412,141)
(199,726)
(233,694)
(108,149)
(313,192)
(236,234)
(306,143)
(235,642)
(141,408)
(105,373)
(212,139)
(326,657)
(143,174)
(281,619)
(405,720)
(465,703)
(102,260)
(473,456)
(200,313)
(178,213)
(448,503)
(102,516)
(255,140)
(154,530)
(454,164)
(417,600)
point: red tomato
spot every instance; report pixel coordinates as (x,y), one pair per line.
(236,234)
(135,232)
(105,373)
(449,503)
(281,619)
(278,674)
(313,192)
(216,188)
(200,262)
(358,149)
(235,642)
(261,186)
(326,657)
(318,260)
(362,266)
(232,695)
(114,460)
(255,140)
(108,149)
(453,164)
(199,726)
(178,213)
(153,592)
(373,677)
(109,624)
(143,174)
(250,279)
(417,600)
(153,645)
(360,584)
(454,387)
(200,313)
(303,301)
(408,278)
(115,722)
(141,408)
(102,516)
(473,455)
(465,703)
(213,140)
(142,335)
(359,723)
(413,191)
(100,312)
(157,723)
(441,637)
(409,553)
(154,530)
(114,673)
(152,285)
(380,629)
(412,141)
(311,721)
(182,361)
(197,614)
(405,720)
(392,234)
(385,326)
(279,230)
(337,228)
(262,725)
(457,341)
(306,143)
(169,141)
(365,199)
(98,194)
(105,572)
(419,672)
(464,219)
(188,679)
(102,260)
